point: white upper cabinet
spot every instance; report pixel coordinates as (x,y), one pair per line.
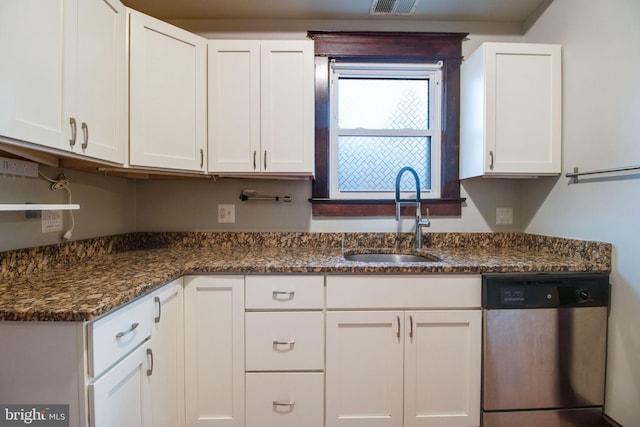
(33,73)
(168,96)
(62,83)
(100,80)
(261,106)
(511,111)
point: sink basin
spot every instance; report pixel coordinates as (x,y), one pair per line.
(388,257)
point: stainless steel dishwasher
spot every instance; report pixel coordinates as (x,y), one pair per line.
(544,349)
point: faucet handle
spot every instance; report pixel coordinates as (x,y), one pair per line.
(424,222)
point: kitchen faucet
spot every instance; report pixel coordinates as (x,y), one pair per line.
(399,202)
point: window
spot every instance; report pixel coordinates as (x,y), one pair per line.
(384,117)
(424,65)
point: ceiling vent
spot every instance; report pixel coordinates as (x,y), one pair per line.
(393,7)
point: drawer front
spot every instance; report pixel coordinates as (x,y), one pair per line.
(113,336)
(284,341)
(285,399)
(404,291)
(284,292)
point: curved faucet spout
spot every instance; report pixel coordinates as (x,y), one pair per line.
(399,202)
(399,177)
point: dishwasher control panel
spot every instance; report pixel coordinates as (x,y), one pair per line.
(544,290)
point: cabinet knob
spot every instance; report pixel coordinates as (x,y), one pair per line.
(490,160)
(254,159)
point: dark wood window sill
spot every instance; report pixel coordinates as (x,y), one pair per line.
(396,46)
(340,207)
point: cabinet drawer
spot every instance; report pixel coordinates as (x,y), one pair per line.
(403,291)
(113,336)
(284,292)
(285,399)
(284,341)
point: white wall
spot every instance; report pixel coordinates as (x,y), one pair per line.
(601,128)
(107,206)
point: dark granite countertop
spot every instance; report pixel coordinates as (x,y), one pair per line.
(89,287)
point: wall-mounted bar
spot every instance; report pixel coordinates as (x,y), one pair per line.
(253,195)
(577,174)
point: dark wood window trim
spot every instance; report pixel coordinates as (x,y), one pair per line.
(388,46)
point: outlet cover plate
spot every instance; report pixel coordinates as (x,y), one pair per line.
(504,216)
(18,167)
(51,221)
(227,214)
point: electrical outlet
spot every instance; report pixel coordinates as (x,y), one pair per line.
(227,214)
(504,216)
(18,167)
(51,221)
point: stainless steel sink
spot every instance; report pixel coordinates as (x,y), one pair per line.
(388,257)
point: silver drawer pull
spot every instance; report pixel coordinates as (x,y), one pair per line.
(74,131)
(278,403)
(285,294)
(131,329)
(150,354)
(158,303)
(290,342)
(85,132)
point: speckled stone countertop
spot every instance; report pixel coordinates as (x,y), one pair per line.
(80,281)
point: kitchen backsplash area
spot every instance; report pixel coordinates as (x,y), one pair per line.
(17,263)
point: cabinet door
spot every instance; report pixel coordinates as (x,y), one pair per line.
(168,96)
(442,368)
(35,36)
(234,106)
(99,75)
(279,399)
(287,106)
(121,397)
(523,108)
(364,373)
(167,344)
(214,351)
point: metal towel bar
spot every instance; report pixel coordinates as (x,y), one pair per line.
(253,195)
(575,174)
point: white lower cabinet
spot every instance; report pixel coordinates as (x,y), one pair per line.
(285,399)
(214,351)
(284,351)
(305,350)
(122,396)
(364,369)
(167,347)
(119,366)
(442,355)
(386,366)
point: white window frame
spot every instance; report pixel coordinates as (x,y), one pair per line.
(433,72)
